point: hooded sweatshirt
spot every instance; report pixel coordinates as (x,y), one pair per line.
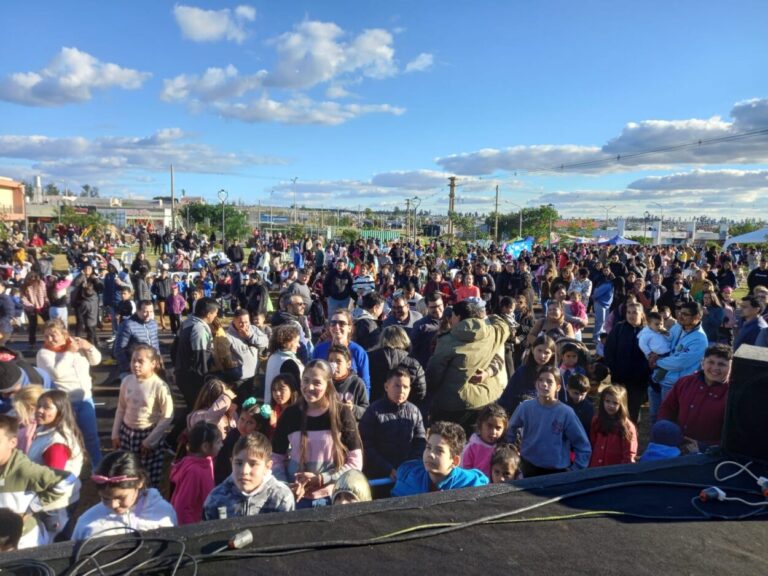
(150,512)
(468,347)
(193,477)
(413,478)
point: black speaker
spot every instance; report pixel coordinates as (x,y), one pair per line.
(746,415)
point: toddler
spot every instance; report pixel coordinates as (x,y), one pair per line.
(505,463)
(654,339)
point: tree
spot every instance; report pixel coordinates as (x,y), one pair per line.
(207,218)
(464,223)
(89,191)
(51,190)
(90,219)
(748,225)
(536,222)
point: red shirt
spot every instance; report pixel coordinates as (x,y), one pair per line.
(609,449)
(698,409)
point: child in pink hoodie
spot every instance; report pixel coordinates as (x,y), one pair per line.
(491,429)
(193,474)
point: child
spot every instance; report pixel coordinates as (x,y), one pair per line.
(350,488)
(24,408)
(654,339)
(144,412)
(522,385)
(254,417)
(439,468)
(392,428)
(260,321)
(28,488)
(505,463)
(251,488)
(667,318)
(550,430)
(491,426)
(192,476)
(576,313)
(127,504)
(215,404)
(573,360)
(316,440)
(666,439)
(578,391)
(612,434)
(285,392)
(350,388)
(176,305)
(11,526)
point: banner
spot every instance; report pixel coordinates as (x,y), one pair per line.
(514,249)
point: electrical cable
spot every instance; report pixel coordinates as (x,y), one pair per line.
(741,469)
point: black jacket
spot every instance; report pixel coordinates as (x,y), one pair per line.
(623,355)
(382,360)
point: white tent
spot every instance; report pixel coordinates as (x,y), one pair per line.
(755,237)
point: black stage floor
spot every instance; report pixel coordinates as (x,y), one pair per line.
(635,519)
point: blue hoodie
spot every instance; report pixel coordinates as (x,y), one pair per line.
(412,478)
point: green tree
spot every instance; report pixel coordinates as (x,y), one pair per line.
(51,190)
(536,222)
(746,226)
(206,218)
(89,191)
(91,219)
(463,223)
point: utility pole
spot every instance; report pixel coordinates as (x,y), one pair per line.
(407,217)
(295,213)
(451,202)
(496,223)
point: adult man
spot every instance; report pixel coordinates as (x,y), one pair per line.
(697,402)
(194,349)
(424,331)
(293,309)
(464,371)
(751,322)
(235,252)
(367,325)
(401,315)
(688,342)
(758,276)
(337,287)
(245,343)
(140,328)
(300,287)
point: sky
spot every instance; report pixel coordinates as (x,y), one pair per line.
(598,107)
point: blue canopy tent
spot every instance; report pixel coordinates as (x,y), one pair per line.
(619,241)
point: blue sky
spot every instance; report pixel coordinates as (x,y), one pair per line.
(368,103)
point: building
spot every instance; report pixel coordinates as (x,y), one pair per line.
(12,204)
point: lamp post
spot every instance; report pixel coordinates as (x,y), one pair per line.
(223,197)
(661,220)
(549,238)
(646,216)
(520,220)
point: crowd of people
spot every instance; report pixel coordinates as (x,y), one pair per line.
(301,369)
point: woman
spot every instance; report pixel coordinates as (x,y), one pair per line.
(553,324)
(283,346)
(627,362)
(34,298)
(726,277)
(467,288)
(525,322)
(714,316)
(86,288)
(68,360)
(340,328)
(391,352)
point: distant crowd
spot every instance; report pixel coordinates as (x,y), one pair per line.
(305,372)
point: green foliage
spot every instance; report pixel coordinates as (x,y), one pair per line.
(206,218)
(463,223)
(90,219)
(89,191)
(535,222)
(749,225)
(51,190)
(349,235)
(644,241)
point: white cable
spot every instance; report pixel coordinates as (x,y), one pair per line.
(741,468)
(747,502)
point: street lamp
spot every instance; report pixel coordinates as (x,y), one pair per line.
(607,210)
(549,238)
(520,222)
(661,220)
(645,225)
(223,197)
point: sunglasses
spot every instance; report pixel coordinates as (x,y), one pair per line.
(338,323)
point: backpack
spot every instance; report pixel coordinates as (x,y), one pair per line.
(316,313)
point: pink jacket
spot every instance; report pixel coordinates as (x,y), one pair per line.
(193,477)
(477,454)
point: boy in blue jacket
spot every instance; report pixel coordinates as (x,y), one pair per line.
(439,467)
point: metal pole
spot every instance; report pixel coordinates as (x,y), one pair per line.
(173,203)
(496,223)
(520,224)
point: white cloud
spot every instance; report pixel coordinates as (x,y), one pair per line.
(301,110)
(71,76)
(117,157)
(411,180)
(213,85)
(690,140)
(201,25)
(697,180)
(315,52)
(422,62)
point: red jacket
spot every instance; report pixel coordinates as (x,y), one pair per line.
(698,409)
(609,449)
